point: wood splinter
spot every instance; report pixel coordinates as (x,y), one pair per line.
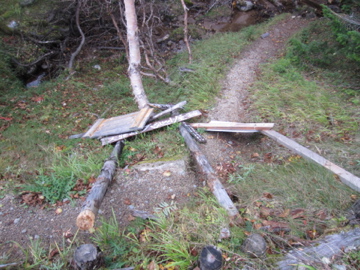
(86,219)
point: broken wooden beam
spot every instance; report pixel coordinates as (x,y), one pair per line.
(213,182)
(168,110)
(86,219)
(152,126)
(346,177)
(233,126)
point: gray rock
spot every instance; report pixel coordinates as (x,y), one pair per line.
(254,245)
(25,3)
(16,220)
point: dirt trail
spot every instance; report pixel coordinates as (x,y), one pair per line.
(143,188)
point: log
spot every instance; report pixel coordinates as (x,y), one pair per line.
(346,177)
(210,258)
(88,257)
(86,219)
(213,182)
(329,247)
(152,126)
(233,126)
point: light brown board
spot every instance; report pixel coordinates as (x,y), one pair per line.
(152,126)
(347,178)
(233,126)
(119,124)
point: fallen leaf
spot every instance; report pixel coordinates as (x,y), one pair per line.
(268,195)
(58,211)
(6,118)
(127,201)
(172,196)
(131,218)
(167,173)
(38,99)
(152,266)
(285,213)
(298,213)
(53,253)
(265,212)
(255,155)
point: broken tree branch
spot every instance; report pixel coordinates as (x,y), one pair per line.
(74,54)
(186,30)
(208,172)
(345,177)
(86,219)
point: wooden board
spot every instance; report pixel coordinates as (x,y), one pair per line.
(233,126)
(347,178)
(152,126)
(119,124)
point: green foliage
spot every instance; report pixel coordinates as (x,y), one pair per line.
(349,40)
(53,187)
(113,242)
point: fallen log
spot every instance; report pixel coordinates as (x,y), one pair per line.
(86,219)
(233,126)
(329,247)
(346,177)
(213,182)
(152,126)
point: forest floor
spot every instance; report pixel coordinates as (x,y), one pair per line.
(144,187)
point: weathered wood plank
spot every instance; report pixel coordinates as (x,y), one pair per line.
(346,177)
(94,127)
(233,126)
(141,118)
(168,110)
(207,171)
(152,126)
(86,219)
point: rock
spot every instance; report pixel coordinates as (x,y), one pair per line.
(354,213)
(24,231)
(210,258)
(88,256)
(254,245)
(25,3)
(244,5)
(16,220)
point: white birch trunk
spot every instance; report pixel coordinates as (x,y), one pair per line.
(134,54)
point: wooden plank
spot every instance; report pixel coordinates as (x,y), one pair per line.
(233,126)
(208,172)
(141,118)
(94,127)
(346,177)
(152,126)
(122,124)
(168,110)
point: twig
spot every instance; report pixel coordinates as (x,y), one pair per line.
(186,30)
(73,55)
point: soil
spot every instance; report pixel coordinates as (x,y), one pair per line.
(145,187)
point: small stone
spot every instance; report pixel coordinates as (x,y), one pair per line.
(24,231)
(97,67)
(254,245)
(16,220)
(339,267)
(36,236)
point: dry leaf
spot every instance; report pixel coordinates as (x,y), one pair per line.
(131,218)
(255,155)
(167,173)
(152,266)
(285,213)
(58,211)
(268,195)
(298,213)
(127,201)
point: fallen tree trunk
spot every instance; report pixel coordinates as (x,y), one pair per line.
(90,208)
(213,182)
(345,177)
(332,245)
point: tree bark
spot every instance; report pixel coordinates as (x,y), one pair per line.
(134,54)
(213,182)
(90,208)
